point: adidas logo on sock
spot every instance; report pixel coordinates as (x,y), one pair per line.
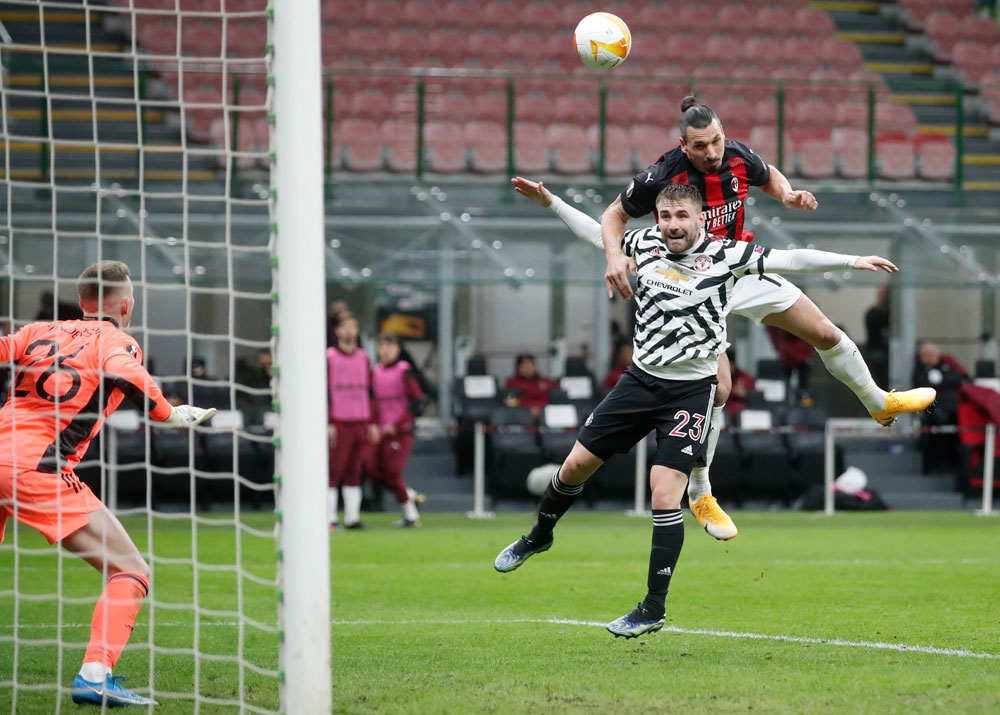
(687,450)
(665,571)
(548,516)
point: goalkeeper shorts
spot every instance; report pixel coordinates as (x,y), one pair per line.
(54,504)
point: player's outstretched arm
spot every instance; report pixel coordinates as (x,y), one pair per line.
(756,260)
(779,188)
(187,416)
(613,224)
(583,226)
(874,263)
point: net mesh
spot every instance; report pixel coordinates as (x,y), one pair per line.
(138,131)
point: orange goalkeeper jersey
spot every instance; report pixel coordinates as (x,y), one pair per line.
(67,377)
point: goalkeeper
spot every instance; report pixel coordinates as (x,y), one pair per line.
(69,375)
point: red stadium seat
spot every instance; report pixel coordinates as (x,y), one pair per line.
(364,43)
(422,13)
(809,115)
(246,38)
(617,149)
(973,59)
(694,16)
(984,30)
(488,45)
(491,105)
(936,156)
(895,117)
(399,138)
(766,113)
(502,15)
(995,57)
(764,141)
(851,147)
(852,115)
(534,107)
(531,149)
(487,142)
(345,13)
(916,12)
(356,145)
(444,146)
(465,14)
(894,152)
(734,19)
(539,13)
(773,21)
(576,109)
(569,147)
(369,104)
(946,32)
(813,23)
(376,11)
(844,57)
(813,150)
(992,99)
(201,37)
(649,141)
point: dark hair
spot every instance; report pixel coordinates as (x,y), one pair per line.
(101,281)
(389,338)
(342,317)
(523,357)
(695,114)
(679,192)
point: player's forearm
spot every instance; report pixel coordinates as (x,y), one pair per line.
(805,260)
(613,224)
(583,226)
(778,186)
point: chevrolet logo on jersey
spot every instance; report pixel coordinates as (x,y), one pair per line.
(673,274)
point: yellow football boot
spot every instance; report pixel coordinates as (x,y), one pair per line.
(896,403)
(711,516)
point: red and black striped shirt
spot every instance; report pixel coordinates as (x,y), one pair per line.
(724,192)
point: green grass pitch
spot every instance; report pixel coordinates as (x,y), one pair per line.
(800,613)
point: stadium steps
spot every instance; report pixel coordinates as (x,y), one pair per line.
(910,72)
(894,471)
(72,127)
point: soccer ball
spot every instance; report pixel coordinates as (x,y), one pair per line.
(603,40)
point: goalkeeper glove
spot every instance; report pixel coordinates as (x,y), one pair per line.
(184,416)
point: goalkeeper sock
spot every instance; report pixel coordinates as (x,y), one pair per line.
(331,504)
(668,538)
(352,505)
(94,672)
(845,363)
(114,618)
(698,483)
(556,501)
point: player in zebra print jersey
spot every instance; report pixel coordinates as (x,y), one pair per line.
(685,285)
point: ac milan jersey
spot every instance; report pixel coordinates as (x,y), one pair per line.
(723,193)
(68,376)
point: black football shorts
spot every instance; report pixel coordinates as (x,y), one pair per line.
(679,411)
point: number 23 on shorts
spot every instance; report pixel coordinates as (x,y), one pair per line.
(688,425)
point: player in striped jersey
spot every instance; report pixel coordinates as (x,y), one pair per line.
(69,375)
(685,288)
(723,170)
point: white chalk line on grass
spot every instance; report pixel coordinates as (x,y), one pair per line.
(929,650)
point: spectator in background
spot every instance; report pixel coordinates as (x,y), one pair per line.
(794,353)
(257,376)
(946,375)
(397,399)
(743,382)
(48,310)
(203,391)
(877,342)
(534,388)
(353,427)
(333,313)
(623,360)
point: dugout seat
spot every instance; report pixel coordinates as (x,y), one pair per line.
(936,157)
(769,471)
(894,155)
(477,395)
(561,422)
(512,451)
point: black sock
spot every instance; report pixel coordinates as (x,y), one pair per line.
(668,538)
(556,501)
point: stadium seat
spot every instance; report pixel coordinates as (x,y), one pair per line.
(813,149)
(946,31)
(246,37)
(501,14)
(575,108)
(734,19)
(894,153)
(444,146)
(534,107)
(531,152)
(561,422)
(851,147)
(399,138)
(809,115)
(773,21)
(973,59)
(804,52)
(652,110)
(649,141)
(845,57)
(487,142)
(813,23)
(369,104)
(617,148)
(936,157)
(765,113)
(769,469)
(570,148)
(422,13)
(895,117)
(764,141)
(540,14)
(977,28)
(488,46)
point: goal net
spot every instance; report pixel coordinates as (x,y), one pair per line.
(138,130)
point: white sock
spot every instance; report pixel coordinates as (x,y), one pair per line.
(845,363)
(94,672)
(698,483)
(410,512)
(411,493)
(352,505)
(331,504)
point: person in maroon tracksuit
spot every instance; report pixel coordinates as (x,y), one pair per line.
(397,394)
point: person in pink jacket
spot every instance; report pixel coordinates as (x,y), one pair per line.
(396,392)
(353,426)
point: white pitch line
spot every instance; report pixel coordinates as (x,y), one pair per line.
(929,650)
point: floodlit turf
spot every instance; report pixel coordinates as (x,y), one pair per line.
(423,624)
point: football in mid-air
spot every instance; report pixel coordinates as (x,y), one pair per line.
(603,40)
